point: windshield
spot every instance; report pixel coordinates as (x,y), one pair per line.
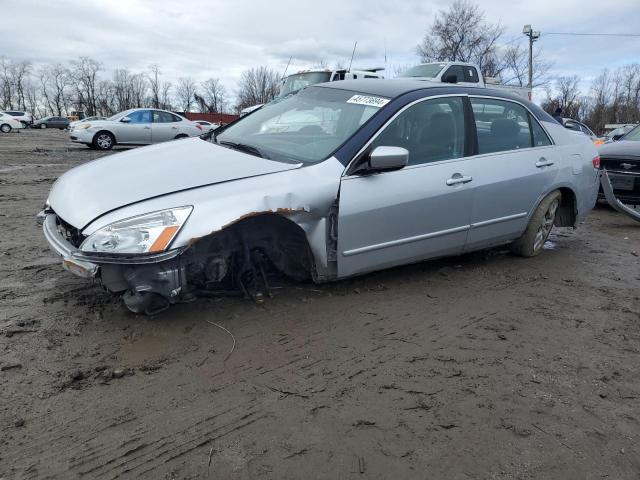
(307,127)
(633,134)
(429,70)
(301,80)
(115,117)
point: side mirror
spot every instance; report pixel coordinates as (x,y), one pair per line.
(450,78)
(385,159)
(125,119)
(615,138)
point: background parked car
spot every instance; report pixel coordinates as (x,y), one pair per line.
(84,120)
(622,160)
(617,133)
(51,122)
(139,126)
(23,117)
(207,126)
(8,123)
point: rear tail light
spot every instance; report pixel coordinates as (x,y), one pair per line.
(198,126)
(596,162)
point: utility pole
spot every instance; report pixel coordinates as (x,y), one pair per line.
(533,36)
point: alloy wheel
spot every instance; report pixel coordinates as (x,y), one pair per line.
(547,224)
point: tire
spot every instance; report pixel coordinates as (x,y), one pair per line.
(103,141)
(43,125)
(531,243)
(24,124)
(181,135)
(5,128)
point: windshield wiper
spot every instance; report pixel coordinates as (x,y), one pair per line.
(243,147)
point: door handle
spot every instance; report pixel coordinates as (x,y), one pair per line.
(174,128)
(543,162)
(147,128)
(457,178)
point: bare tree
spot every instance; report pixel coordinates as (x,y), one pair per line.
(257,85)
(85,73)
(55,81)
(567,97)
(462,34)
(154,85)
(165,95)
(185,92)
(214,95)
(516,66)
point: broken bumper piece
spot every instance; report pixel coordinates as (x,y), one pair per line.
(607,189)
(62,247)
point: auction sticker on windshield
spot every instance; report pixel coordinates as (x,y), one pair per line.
(368,100)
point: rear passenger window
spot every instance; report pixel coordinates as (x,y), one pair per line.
(501,125)
(540,137)
(456,70)
(163,117)
(431,130)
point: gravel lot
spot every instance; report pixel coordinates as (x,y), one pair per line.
(485,366)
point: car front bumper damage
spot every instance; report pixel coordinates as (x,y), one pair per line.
(150,282)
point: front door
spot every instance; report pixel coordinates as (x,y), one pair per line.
(516,163)
(137,130)
(419,212)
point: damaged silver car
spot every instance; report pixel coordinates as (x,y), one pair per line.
(337,180)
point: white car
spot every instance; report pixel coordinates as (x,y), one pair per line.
(25,118)
(8,123)
(138,126)
(84,120)
(207,126)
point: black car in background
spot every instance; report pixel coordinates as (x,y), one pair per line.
(51,122)
(622,161)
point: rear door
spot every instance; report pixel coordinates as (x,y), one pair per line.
(164,127)
(515,165)
(418,212)
(137,130)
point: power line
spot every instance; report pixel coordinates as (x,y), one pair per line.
(594,34)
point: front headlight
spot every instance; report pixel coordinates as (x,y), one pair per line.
(149,233)
(84,126)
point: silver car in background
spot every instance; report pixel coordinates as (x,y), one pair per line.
(338,180)
(138,126)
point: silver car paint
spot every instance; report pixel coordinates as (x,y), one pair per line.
(135,175)
(380,223)
(137,133)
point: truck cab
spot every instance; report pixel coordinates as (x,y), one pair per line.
(460,73)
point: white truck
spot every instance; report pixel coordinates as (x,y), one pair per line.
(304,78)
(461,73)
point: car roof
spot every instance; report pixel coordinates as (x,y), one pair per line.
(395,87)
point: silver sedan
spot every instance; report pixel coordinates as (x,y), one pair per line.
(338,180)
(139,126)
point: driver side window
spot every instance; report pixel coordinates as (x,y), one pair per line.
(140,116)
(431,130)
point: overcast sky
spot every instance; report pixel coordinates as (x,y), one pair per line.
(222,38)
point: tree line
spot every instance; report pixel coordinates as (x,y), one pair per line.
(83,85)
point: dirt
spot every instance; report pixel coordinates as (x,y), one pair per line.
(484,366)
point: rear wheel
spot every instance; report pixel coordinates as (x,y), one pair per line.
(43,125)
(103,141)
(532,241)
(5,128)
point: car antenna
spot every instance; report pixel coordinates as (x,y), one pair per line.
(352,54)
(284,74)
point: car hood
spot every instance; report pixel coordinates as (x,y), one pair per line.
(621,149)
(100,186)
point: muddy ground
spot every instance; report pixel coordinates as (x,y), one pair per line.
(485,366)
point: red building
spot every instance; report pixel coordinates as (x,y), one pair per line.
(222,118)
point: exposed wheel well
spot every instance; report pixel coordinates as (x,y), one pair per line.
(568,210)
(282,241)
